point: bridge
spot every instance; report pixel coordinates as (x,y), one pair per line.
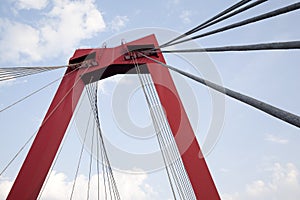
(186,170)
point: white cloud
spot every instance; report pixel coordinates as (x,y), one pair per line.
(185,16)
(106,86)
(31,4)
(119,22)
(59,187)
(58,32)
(283,184)
(68,23)
(276,139)
(174,2)
(18,40)
(257,188)
(5,185)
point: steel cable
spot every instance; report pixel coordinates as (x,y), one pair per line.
(165,138)
(155,127)
(258,18)
(7,73)
(55,160)
(44,121)
(112,186)
(168,141)
(266,108)
(253,47)
(80,156)
(175,154)
(231,8)
(91,161)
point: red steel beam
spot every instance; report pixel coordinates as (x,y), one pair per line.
(44,148)
(188,146)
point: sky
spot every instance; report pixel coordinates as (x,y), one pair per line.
(255,156)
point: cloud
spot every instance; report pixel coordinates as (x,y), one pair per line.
(57,33)
(106,86)
(5,185)
(60,187)
(68,23)
(283,184)
(18,40)
(185,16)
(276,139)
(173,2)
(119,22)
(31,4)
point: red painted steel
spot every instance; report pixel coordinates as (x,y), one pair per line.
(44,148)
(186,141)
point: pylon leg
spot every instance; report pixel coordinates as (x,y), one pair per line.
(191,154)
(48,139)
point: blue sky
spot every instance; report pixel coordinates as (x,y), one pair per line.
(255,157)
